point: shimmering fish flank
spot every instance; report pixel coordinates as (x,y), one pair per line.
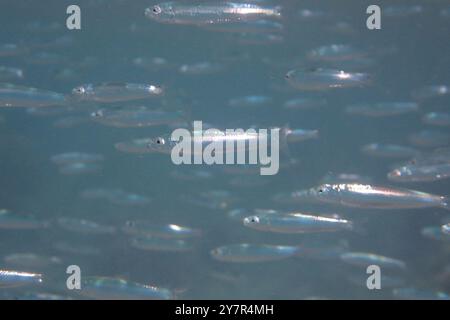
(296,223)
(12,278)
(224,149)
(368,196)
(178,12)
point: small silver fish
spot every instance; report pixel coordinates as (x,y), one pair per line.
(255,253)
(402,11)
(75,168)
(419,294)
(76,157)
(260,26)
(116,92)
(208,13)
(151,243)
(368,197)
(335,52)
(296,223)
(325,79)
(365,259)
(12,221)
(200,68)
(116,196)
(136,145)
(305,103)
(435,233)
(437,118)
(12,278)
(393,151)
(420,173)
(387,281)
(251,253)
(106,288)
(31,260)
(430,138)
(84,226)
(345,177)
(431,91)
(43,296)
(9,73)
(249,101)
(147,228)
(20,96)
(382,109)
(137,117)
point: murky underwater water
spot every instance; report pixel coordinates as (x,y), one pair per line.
(84,185)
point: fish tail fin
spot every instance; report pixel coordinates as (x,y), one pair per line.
(357,228)
(316,134)
(277,11)
(301,251)
(177,292)
(445,202)
(284,147)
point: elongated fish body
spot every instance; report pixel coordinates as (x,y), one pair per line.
(412,293)
(31,260)
(435,233)
(437,118)
(382,109)
(241,141)
(115,288)
(388,281)
(115,92)
(12,278)
(324,79)
(260,26)
(42,296)
(137,118)
(138,146)
(431,91)
(12,221)
(150,229)
(335,52)
(178,12)
(298,135)
(84,226)
(296,223)
(252,253)
(79,168)
(420,173)
(74,157)
(150,243)
(8,73)
(256,253)
(372,197)
(365,259)
(20,96)
(389,150)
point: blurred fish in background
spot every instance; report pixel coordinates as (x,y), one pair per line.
(86,118)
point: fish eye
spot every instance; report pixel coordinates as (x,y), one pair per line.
(98,113)
(79,90)
(320,190)
(253,219)
(129,223)
(156,9)
(160,141)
